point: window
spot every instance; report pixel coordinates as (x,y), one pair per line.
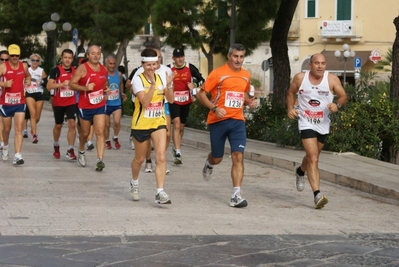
(311,8)
(344,9)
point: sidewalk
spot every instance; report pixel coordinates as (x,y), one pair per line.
(345,169)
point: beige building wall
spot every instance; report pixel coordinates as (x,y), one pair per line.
(372,29)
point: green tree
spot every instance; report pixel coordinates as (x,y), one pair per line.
(386,64)
(110,24)
(205,25)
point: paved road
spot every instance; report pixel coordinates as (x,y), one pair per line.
(56,213)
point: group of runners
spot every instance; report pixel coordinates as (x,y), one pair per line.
(161,95)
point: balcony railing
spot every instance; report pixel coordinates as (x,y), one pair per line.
(341,29)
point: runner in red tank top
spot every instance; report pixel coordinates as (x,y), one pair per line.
(15,76)
(90,79)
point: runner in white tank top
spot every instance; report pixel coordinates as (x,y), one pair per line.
(315,89)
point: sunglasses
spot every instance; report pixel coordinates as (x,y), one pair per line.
(35,60)
(4,59)
(14,55)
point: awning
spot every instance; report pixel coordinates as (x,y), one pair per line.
(334,65)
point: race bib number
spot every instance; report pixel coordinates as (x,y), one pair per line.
(181,96)
(154,110)
(13,98)
(314,117)
(96,97)
(33,88)
(234,99)
(66,92)
(114,95)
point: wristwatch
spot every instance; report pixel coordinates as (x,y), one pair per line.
(339,105)
(214,109)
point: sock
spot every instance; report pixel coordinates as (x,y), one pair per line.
(89,142)
(81,152)
(70,147)
(134,182)
(115,137)
(99,159)
(18,155)
(159,190)
(315,193)
(178,151)
(1,143)
(236,190)
(56,144)
(300,172)
(5,147)
(208,164)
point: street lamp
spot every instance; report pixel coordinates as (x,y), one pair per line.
(345,56)
(50,28)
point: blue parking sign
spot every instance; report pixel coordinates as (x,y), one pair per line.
(358,62)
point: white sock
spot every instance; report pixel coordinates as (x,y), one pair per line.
(178,151)
(18,155)
(208,164)
(89,142)
(135,182)
(159,190)
(236,190)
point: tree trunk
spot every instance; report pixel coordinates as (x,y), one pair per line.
(394,84)
(395,63)
(278,44)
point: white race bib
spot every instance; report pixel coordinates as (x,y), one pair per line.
(181,96)
(13,98)
(314,117)
(234,99)
(66,92)
(114,95)
(96,97)
(154,110)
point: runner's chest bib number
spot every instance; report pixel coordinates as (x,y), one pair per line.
(13,98)
(181,96)
(66,92)
(314,117)
(114,95)
(96,97)
(33,88)
(154,110)
(234,99)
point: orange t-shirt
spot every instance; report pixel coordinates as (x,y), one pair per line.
(227,89)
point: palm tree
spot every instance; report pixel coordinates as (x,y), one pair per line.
(386,64)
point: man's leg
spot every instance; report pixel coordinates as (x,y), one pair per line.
(99,126)
(311,160)
(310,165)
(117,115)
(31,105)
(19,118)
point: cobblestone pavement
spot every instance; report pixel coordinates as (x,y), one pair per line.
(56,213)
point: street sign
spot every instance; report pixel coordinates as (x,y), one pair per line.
(358,62)
(265,65)
(75,36)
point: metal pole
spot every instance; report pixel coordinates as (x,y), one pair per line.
(233,23)
(345,59)
(55,47)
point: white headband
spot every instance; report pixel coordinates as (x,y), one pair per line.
(147,59)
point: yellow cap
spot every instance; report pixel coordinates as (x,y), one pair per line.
(14,50)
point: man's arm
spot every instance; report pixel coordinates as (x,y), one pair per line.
(291,95)
(196,74)
(339,91)
(28,78)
